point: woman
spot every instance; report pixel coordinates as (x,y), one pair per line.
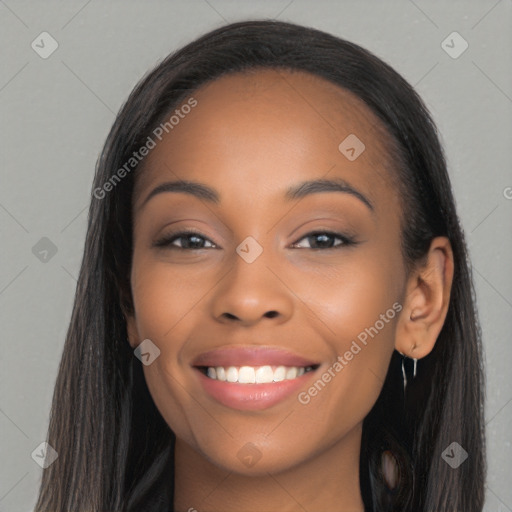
(272,234)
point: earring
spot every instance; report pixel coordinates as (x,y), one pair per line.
(404,375)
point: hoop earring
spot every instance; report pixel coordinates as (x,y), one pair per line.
(404,374)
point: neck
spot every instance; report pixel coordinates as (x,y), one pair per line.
(327,482)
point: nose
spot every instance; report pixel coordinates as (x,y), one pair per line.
(252,292)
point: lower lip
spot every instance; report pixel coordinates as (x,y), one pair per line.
(251,397)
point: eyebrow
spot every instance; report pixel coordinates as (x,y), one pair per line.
(298,191)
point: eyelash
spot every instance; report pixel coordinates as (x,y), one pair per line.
(166,240)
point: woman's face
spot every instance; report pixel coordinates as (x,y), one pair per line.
(269,278)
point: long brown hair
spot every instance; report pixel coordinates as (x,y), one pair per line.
(115,450)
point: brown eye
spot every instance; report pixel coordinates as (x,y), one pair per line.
(325,240)
(190,241)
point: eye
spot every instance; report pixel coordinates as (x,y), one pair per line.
(325,240)
(192,240)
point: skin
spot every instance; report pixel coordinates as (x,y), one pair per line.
(250,137)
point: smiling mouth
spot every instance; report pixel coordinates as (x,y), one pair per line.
(255,374)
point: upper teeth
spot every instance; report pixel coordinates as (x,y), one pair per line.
(255,375)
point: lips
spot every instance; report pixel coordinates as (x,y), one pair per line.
(252,378)
(251,356)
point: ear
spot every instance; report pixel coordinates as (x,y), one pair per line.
(128,311)
(131,328)
(426,302)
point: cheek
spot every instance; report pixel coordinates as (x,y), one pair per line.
(357,312)
(356,308)
(164,302)
(353,296)
(164,294)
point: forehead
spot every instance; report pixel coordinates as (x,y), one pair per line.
(270,127)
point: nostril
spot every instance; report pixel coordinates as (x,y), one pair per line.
(271,314)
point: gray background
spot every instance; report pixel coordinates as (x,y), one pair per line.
(56,113)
